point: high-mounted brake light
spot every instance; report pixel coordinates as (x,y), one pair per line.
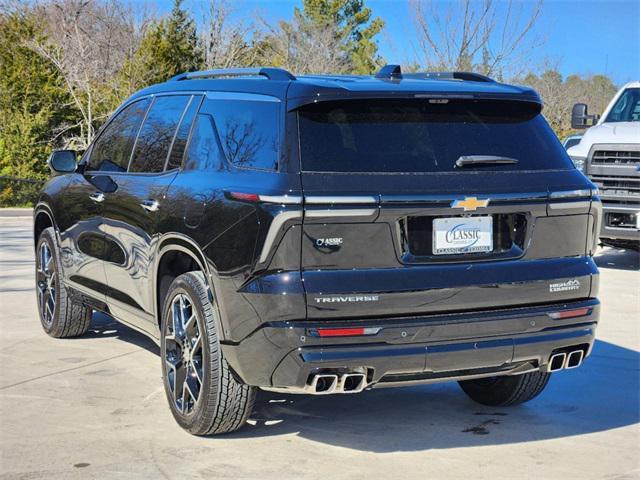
(346,332)
(578,312)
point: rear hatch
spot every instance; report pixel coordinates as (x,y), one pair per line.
(395,225)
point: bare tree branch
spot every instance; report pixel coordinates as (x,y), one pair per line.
(87,42)
(466,35)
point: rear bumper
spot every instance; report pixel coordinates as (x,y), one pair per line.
(431,348)
(611,231)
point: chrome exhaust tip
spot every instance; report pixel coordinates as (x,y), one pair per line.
(556,362)
(323,384)
(353,382)
(574,359)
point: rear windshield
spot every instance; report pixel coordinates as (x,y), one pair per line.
(425,136)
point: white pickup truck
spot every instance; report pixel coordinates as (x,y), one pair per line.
(609,154)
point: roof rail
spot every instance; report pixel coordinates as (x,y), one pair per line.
(271,73)
(395,72)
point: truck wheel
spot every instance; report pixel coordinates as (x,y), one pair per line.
(204,396)
(624,244)
(508,390)
(60,316)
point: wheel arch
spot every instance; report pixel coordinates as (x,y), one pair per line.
(177,254)
(42,218)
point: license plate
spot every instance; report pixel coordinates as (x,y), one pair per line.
(461,235)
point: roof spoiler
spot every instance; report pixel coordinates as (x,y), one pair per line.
(391,72)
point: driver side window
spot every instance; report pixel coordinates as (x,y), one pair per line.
(112,150)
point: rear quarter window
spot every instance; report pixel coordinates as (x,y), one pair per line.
(248,131)
(425,136)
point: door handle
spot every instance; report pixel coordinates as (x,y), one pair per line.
(97,197)
(150,205)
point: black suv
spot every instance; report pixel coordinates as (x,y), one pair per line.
(326,234)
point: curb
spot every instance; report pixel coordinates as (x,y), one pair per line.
(16,212)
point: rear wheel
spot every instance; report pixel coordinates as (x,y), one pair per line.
(60,316)
(204,396)
(508,390)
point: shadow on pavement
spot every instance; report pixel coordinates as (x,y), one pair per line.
(618,258)
(103,326)
(601,395)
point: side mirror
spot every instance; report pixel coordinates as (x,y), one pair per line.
(580,117)
(63,161)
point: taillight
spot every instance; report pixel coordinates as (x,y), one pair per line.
(285,199)
(244,197)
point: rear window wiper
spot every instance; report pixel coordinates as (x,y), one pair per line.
(473,160)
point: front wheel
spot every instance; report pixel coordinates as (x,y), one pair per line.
(204,395)
(60,315)
(507,390)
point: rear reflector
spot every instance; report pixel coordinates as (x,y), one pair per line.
(578,312)
(346,332)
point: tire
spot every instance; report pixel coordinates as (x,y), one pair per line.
(203,393)
(623,244)
(60,316)
(505,391)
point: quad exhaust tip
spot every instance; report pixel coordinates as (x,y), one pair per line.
(327,383)
(565,361)
(323,384)
(574,359)
(353,382)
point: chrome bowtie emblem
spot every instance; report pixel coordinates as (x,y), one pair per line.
(470,203)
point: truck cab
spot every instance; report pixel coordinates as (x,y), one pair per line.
(609,154)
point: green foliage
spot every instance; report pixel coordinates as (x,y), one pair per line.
(34,105)
(169,47)
(41,110)
(354,24)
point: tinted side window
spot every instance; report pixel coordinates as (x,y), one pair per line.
(248,131)
(112,150)
(204,152)
(182,135)
(156,134)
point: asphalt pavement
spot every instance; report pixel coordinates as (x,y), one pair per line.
(94,407)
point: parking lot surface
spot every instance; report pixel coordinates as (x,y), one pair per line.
(94,407)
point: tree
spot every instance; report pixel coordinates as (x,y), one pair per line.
(226,43)
(87,43)
(559,95)
(326,35)
(485,36)
(34,105)
(168,47)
